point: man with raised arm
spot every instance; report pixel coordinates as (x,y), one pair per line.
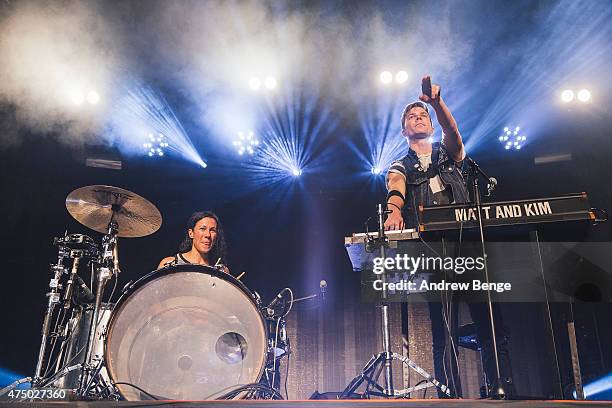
(431,174)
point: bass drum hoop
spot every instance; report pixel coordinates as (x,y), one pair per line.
(129,290)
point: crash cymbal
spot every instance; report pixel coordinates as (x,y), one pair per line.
(94,206)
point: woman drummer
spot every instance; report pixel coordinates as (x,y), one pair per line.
(204,243)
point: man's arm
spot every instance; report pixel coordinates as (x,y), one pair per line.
(450,131)
(395,182)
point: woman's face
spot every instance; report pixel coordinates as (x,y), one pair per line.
(204,235)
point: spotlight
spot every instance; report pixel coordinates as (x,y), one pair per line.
(584,95)
(78,97)
(246,143)
(375,170)
(567,95)
(156,145)
(296,172)
(93,97)
(270,82)
(512,138)
(401,77)
(386,77)
(255,83)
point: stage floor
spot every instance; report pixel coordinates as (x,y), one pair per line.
(413,403)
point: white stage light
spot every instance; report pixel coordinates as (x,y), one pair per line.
(78,98)
(255,83)
(584,95)
(401,77)
(246,143)
(375,170)
(270,82)
(386,77)
(567,95)
(296,172)
(93,97)
(512,138)
(156,145)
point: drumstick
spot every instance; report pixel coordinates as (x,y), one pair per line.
(240,276)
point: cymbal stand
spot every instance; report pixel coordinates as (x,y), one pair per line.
(382,361)
(108,266)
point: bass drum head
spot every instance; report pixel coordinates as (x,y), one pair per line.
(188,333)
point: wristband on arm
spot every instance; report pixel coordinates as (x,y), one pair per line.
(395,193)
(396,206)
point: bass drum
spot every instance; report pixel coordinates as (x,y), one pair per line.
(185,332)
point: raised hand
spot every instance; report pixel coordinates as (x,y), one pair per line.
(429,89)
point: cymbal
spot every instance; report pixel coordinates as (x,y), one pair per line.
(94,206)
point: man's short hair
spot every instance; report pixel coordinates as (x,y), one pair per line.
(414,105)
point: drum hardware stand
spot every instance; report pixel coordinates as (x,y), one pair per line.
(382,361)
(54,299)
(72,280)
(475,171)
(109,266)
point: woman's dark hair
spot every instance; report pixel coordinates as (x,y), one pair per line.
(218,249)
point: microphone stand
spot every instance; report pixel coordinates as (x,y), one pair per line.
(474,172)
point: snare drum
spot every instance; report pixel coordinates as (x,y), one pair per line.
(185,332)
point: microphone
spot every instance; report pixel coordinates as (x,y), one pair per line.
(323,288)
(87,293)
(426,86)
(274,301)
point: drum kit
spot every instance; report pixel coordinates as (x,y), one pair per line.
(183,332)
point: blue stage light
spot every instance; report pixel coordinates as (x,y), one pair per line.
(296,172)
(376,170)
(246,143)
(142,118)
(156,145)
(600,389)
(512,138)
